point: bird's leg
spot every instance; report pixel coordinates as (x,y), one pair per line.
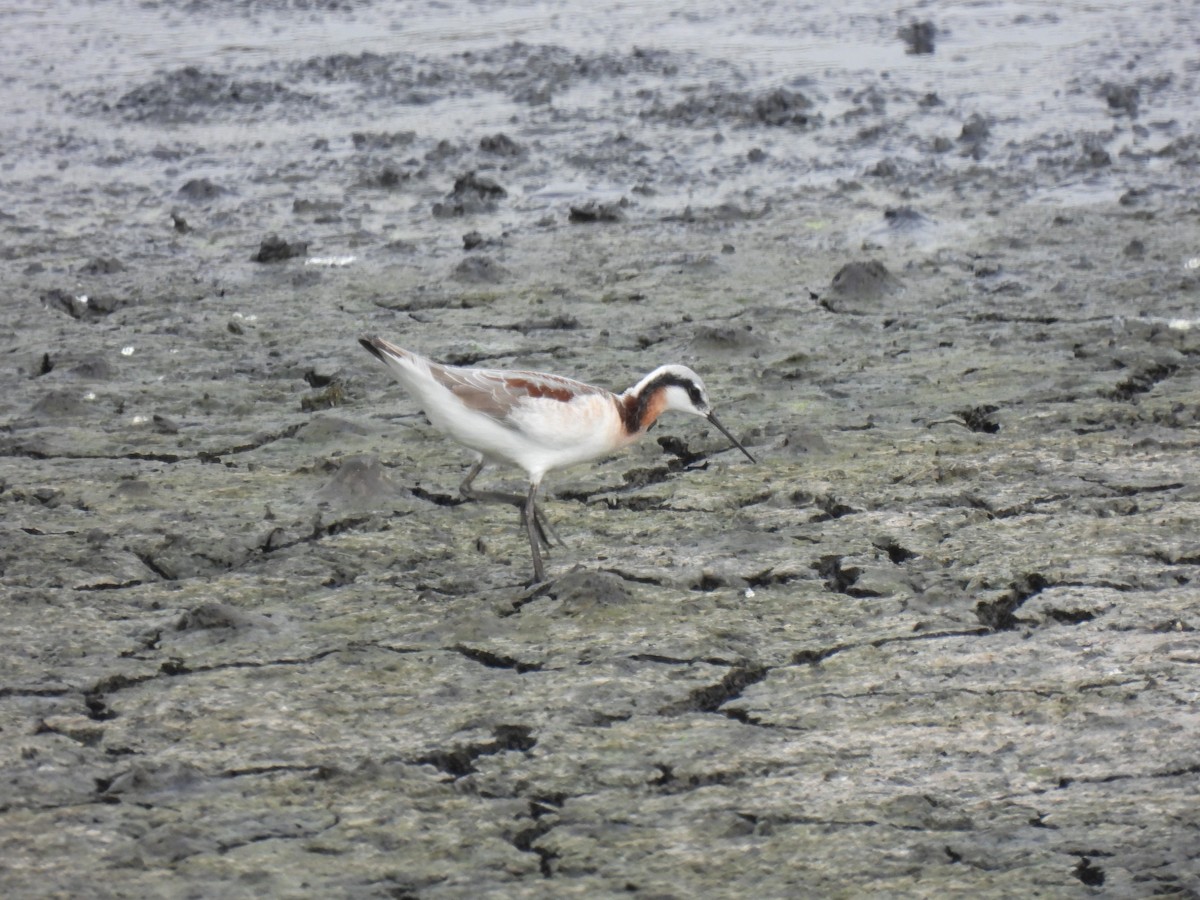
(464,489)
(529,517)
(469,493)
(545,532)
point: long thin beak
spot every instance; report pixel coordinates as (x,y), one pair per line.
(712,417)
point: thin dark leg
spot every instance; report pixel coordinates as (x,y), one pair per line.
(534,530)
(464,489)
(545,532)
(545,529)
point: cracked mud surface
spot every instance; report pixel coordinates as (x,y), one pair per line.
(940,277)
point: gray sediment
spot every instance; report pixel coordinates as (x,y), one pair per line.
(939,641)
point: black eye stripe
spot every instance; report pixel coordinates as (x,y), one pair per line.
(671,380)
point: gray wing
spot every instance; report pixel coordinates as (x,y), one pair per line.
(496,393)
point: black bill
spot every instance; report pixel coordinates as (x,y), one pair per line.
(712,417)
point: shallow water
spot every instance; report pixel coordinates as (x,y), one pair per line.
(1034,70)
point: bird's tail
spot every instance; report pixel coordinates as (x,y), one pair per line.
(409,368)
(384,351)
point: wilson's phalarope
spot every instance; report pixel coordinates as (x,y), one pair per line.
(538,422)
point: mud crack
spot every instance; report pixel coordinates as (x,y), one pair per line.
(495,660)
(458,761)
(711,698)
(542,812)
(214,456)
(841,579)
(1141,382)
(999,615)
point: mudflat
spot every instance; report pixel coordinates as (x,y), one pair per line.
(940,271)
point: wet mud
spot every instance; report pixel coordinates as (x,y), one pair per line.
(941,275)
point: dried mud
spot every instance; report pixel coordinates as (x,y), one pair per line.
(941,275)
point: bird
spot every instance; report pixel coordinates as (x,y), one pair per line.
(538,422)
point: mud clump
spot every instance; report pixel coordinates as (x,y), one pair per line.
(595,211)
(534,73)
(200,190)
(778,108)
(920,37)
(782,107)
(275,249)
(975,130)
(192,94)
(1121,98)
(60,404)
(858,287)
(500,145)
(904,218)
(81,306)
(102,265)
(360,482)
(376,140)
(471,195)
(480,270)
